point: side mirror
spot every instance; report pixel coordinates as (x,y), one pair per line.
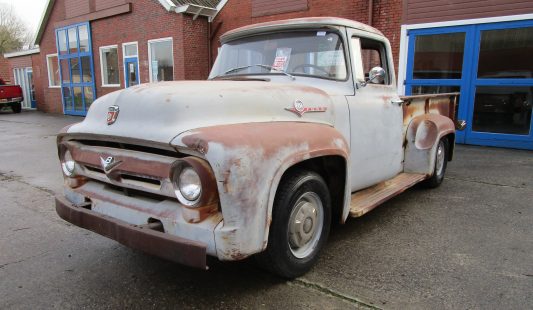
(376,75)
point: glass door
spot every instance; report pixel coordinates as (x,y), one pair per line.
(131,63)
(76,68)
(31,86)
(502,86)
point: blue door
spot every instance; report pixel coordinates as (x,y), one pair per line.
(490,65)
(131,68)
(76,69)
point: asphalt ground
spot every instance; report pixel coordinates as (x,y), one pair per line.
(465,245)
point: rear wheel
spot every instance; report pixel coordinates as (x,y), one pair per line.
(301,220)
(441,160)
(17,107)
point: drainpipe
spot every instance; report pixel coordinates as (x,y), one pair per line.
(370,11)
(209,54)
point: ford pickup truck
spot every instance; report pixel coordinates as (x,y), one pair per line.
(11,96)
(298,126)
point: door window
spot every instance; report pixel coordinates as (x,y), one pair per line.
(373,54)
(439,56)
(161,60)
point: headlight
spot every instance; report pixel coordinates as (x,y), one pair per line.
(68,164)
(188,186)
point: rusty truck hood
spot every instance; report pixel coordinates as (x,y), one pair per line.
(159,112)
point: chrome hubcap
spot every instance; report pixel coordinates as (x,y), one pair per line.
(440,158)
(305,225)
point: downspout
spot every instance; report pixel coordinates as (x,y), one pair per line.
(209,53)
(370,11)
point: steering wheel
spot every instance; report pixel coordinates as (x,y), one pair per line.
(311,66)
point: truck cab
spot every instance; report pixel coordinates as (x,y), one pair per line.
(298,125)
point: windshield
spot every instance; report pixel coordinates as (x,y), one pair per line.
(307,53)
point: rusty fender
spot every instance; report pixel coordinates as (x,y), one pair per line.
(248,161)
(423,135)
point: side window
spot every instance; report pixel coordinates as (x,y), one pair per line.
(373,54)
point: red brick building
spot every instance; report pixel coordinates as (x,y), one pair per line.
(24,68)
(4,71)
(478,48)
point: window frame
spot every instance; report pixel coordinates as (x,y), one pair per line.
(49,73)
(101,50)
(171,39)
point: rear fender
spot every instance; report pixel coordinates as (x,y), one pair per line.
(423,135)
(248,161)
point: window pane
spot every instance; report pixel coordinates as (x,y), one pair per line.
(130,50)
(75,69)
(72,41)
(506,53)
(425,90)
(53,73)
(439,56)
(65,72)
(62,41)
(110,66)
(161,61)
(89,96)
(86,69)
(84,38)
(78,101)
(67,98)
(503,109)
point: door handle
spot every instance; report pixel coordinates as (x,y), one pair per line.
(399,102)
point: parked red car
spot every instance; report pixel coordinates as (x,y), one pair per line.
(11,96)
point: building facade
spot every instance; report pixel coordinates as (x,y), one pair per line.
(19,70)
(478,48)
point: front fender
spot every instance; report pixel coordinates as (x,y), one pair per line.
(248,161)
(423,135)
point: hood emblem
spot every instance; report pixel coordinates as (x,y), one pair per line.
(112,114)
(109,163)
(299,109)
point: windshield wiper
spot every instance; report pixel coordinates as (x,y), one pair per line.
(262,66)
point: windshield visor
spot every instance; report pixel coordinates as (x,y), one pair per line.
(309,53)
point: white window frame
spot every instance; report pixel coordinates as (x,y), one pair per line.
(101,49)
(150,55)
(124,57)
(49,73)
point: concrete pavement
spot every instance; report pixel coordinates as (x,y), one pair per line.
(467,244)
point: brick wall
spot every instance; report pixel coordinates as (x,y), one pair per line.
(4,70)
(386,16)
(148,20)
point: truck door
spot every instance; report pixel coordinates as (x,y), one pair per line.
(376,116)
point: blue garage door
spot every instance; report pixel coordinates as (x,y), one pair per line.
(75,56)
(491,66)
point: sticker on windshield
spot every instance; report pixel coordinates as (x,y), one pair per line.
(281,62)
(321,34)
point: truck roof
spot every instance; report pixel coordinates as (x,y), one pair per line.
(307,22)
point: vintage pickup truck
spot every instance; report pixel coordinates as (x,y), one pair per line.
(298,126)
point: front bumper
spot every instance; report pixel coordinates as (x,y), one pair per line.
(173,248)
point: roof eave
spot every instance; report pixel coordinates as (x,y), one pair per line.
(196,10)
(22,53)
(44,21)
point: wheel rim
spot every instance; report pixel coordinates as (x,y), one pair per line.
(441,157)
(305,224)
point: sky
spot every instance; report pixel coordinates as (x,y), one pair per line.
(30,11)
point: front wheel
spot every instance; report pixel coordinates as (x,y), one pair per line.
(301,220)
(441,160)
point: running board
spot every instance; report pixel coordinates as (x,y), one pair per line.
(367,199)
